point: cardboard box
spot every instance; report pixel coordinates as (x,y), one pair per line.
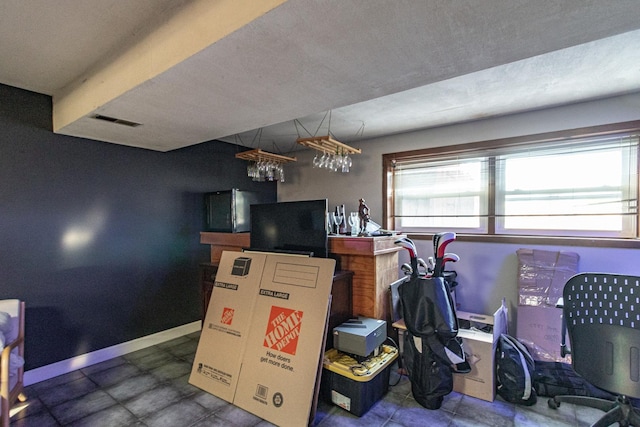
(262,340)
(480,347)
(540,329)
(541,279)
(543,274)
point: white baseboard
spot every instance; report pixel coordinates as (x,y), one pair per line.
(78,362)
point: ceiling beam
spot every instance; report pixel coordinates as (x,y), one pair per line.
(191,29)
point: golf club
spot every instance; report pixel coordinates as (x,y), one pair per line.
(424,272)
(440,242)
(443,240)
(436,242)
(406,268)
(408,244)
(448,257)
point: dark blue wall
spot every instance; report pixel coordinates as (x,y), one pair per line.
(101,240)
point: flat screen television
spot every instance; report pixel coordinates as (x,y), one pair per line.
(294,227)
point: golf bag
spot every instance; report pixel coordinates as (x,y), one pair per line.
(430,376)
(431,350)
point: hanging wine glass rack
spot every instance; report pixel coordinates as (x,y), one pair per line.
(327,144)
(265,166)
(259,155)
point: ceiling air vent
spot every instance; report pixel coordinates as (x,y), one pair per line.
(115,120)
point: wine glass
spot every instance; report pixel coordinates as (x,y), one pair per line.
(331,164)
(346,163)
(323,160)
(336,220)
(354,222)
(280,171)
(339,160)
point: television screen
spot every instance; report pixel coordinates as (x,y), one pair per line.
(295,227)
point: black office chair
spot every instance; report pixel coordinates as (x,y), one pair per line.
(602,316)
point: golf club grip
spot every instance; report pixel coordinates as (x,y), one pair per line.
(437,270)
(414,266)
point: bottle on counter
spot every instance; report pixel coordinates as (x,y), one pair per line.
(343,221)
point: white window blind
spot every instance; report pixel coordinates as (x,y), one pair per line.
(574,187)
(581,188)
(438,194)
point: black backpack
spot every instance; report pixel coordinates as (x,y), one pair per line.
(515,369)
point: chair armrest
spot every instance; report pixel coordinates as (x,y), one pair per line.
(564,350)
(4,365)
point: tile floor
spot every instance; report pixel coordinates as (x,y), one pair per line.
(150,388)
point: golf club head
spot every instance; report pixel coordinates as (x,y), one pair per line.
(450,257)
(408,244)
(408,240)
(436,242)
(423,265)
(406,268)
(438,270)
(443,240)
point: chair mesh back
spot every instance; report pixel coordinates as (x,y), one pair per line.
(602,312)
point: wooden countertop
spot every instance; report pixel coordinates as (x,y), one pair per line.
(225,239)
(340,245)
(353,245)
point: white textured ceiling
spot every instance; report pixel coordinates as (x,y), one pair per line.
(380,67)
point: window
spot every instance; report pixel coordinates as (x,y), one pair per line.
(580,183)
(441,194)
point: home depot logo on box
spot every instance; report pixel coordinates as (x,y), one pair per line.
(227,316)
(283,330)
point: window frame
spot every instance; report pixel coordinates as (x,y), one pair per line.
(479,148)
